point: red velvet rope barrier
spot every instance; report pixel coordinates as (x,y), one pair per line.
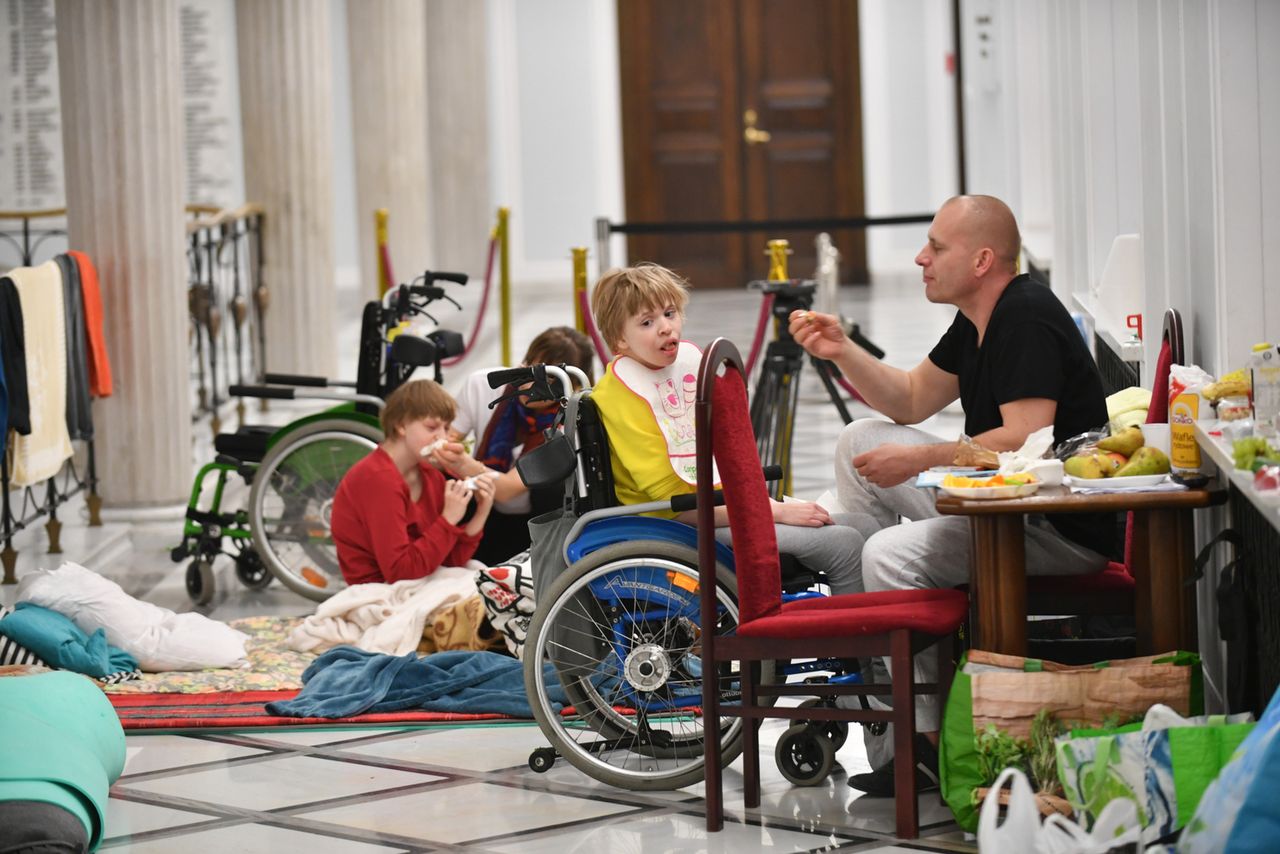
(484,305)
(602,352)
(388,278)
(766,309)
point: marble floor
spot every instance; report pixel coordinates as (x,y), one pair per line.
(468,788)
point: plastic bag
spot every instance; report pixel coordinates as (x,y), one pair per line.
(1021,832)
(1082,443)
(971,454)
(1163,767)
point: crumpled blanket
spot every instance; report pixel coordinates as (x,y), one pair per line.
(158,638)
(346,681)
(386,618)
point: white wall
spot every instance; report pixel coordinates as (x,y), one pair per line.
(555,126)
(908,120)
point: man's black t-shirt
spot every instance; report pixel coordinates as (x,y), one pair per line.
(1031,349)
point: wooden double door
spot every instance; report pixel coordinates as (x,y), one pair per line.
(741,110)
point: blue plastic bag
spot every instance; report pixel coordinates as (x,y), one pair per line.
(1240,811)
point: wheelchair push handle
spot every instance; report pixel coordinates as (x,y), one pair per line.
(272,392)
(540,379)
(429,276)
(304,380)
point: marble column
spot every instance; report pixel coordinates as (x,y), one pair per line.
(286,94)
(458,107)
(387,46)
(119,71)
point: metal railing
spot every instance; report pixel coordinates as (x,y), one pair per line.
(25,242)
(227,299)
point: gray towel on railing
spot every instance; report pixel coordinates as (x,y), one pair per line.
(79,416)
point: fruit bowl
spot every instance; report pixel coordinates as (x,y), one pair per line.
(1115,482)
(1017,490)
(1014,486)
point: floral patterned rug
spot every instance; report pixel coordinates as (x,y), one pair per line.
(272,665)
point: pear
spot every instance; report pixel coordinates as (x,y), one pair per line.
(1088,466)
(1125,442)
(1145,461)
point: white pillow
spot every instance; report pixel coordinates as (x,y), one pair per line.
(158,638)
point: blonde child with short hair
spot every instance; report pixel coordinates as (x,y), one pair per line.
(646,402)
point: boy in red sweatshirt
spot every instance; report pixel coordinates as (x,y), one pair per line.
(395,515)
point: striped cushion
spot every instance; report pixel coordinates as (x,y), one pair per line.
(13,653)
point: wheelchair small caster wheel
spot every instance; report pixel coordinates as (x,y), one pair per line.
(542,759)
(804,756)
(200,584)
(837,732)
(251,571)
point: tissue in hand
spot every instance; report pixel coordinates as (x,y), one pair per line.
(1030,458)
(433,447)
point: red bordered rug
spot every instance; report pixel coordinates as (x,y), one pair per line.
(246,709)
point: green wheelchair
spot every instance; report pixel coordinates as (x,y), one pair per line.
(293,471)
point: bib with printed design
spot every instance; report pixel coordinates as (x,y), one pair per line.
(669,394)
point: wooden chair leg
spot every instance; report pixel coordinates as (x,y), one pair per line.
(750,737)
(946,670)
(904,731)
(713,784)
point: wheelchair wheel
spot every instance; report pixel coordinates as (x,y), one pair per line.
(620,630)
(199,580)
(292,498)
(804,755)
(251,571)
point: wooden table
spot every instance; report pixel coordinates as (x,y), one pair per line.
(1162,560)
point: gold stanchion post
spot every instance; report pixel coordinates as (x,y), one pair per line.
(778,251)
(504,280)
(579,286)
(380,240)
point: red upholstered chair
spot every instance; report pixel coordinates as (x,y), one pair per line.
(1111,592)
(897,624)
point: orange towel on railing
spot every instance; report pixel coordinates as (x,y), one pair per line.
(99,364)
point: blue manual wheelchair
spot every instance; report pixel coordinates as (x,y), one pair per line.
(617,616)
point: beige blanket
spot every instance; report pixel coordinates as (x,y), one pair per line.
(386,618)
(40,455)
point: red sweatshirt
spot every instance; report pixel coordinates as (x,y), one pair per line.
(382,535)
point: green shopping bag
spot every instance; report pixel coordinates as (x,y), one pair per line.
(1163,765)
(1006,692)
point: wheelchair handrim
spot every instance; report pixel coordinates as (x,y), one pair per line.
(610,723)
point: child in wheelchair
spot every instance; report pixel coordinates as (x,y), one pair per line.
(616,617)
(645,400)
(395,515)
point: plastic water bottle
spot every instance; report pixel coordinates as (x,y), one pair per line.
(1264,364)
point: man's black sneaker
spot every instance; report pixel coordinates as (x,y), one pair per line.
(879,783)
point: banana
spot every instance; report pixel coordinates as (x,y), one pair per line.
(1234,383)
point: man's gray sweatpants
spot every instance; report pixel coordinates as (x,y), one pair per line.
(930,551)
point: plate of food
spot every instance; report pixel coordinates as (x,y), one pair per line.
(1000,486)
(1138,480)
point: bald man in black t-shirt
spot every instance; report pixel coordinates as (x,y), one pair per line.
(1015,360)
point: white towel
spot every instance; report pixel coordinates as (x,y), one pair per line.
(386,618)
(39,456)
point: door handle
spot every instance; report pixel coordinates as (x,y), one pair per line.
(751,134)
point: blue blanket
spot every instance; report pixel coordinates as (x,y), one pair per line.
(62,644)
(346,681)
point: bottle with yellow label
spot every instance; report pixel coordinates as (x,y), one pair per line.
(1265,367)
